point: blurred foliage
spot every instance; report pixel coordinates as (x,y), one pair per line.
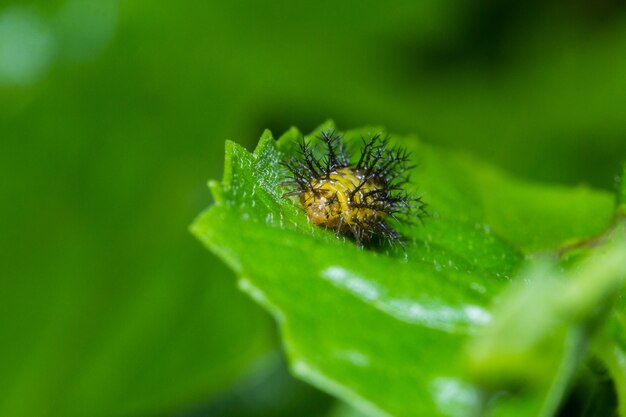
(113,114)
(268,390)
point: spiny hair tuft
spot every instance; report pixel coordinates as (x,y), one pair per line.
(357,198)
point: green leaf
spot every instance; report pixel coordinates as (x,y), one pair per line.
(385,331)
(345,410)
(611,346)
(543,327)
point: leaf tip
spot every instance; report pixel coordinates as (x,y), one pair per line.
(216,191)
(266,138)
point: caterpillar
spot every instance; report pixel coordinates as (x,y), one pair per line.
(354,198)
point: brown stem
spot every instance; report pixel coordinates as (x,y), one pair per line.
(596,240)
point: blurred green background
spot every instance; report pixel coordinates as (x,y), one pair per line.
(113,115)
